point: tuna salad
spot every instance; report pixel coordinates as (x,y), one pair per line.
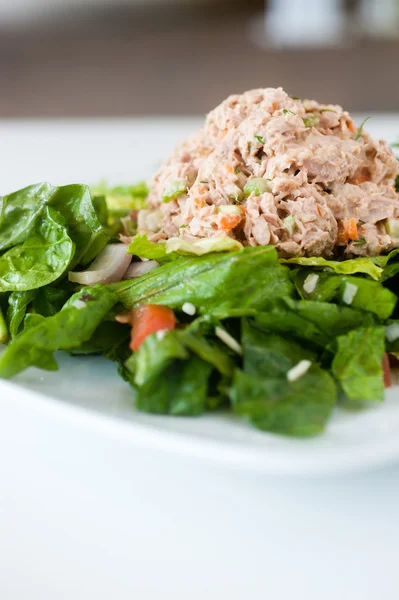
(257,275)
(267,168)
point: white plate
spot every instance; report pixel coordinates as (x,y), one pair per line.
(88,391)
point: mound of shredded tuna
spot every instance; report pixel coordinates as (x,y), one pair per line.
(270,169)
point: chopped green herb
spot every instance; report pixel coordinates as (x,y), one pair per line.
(360,242)
(257,185)
(249,146)
(395,145)
(323,110)
(310,121)
(237,170)
(288,112)
(295,98)
(360,130)
(260,139)
(204,181)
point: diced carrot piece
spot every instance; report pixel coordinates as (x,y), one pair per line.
(361,177)
(318,210)
(228,222)
(150,318)
(342,236)
(351,229)
(387,371)
(198,202)
(229,168)
(275,106)
(351,125)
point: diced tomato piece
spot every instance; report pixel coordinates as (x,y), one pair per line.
(387,371)
(150,318)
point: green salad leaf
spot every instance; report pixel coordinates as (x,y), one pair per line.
(343,267)
(167,378)
(3,328)
(314,323)
(121,199)
(357,364)
(74,202)
(250,277)
(142,247)
(19,211)
(41,259)
(263,393)
(73,325)
(202,246)
(351,291)
(49,300)
(181,390)
(18,305)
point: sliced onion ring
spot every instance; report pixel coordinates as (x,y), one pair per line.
(109,266)
(137,269)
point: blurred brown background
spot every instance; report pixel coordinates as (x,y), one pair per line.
(176,59)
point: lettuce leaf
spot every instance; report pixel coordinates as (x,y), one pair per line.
(367,266)
(122,199)
(250,277)
(202,246)
(369,296)
(142,247)
(357,364)
(263,393)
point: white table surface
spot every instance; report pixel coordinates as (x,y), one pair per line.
(82,516)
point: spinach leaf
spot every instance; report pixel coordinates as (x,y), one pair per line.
(250,277)
(344,267)
(19,211)
(263,393)
(72,326)
(75,204)
(357,364)
(42,258)
(39,358)
(364,294)
(50,299)
(18,305)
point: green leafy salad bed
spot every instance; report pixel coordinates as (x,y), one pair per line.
(278,342)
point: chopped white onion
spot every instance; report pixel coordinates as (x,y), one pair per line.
(299,370)
(350,292)
(109,266)
(137,269)
(309,285)
(189,309)
(79,304)
(392,332)
(228,339)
